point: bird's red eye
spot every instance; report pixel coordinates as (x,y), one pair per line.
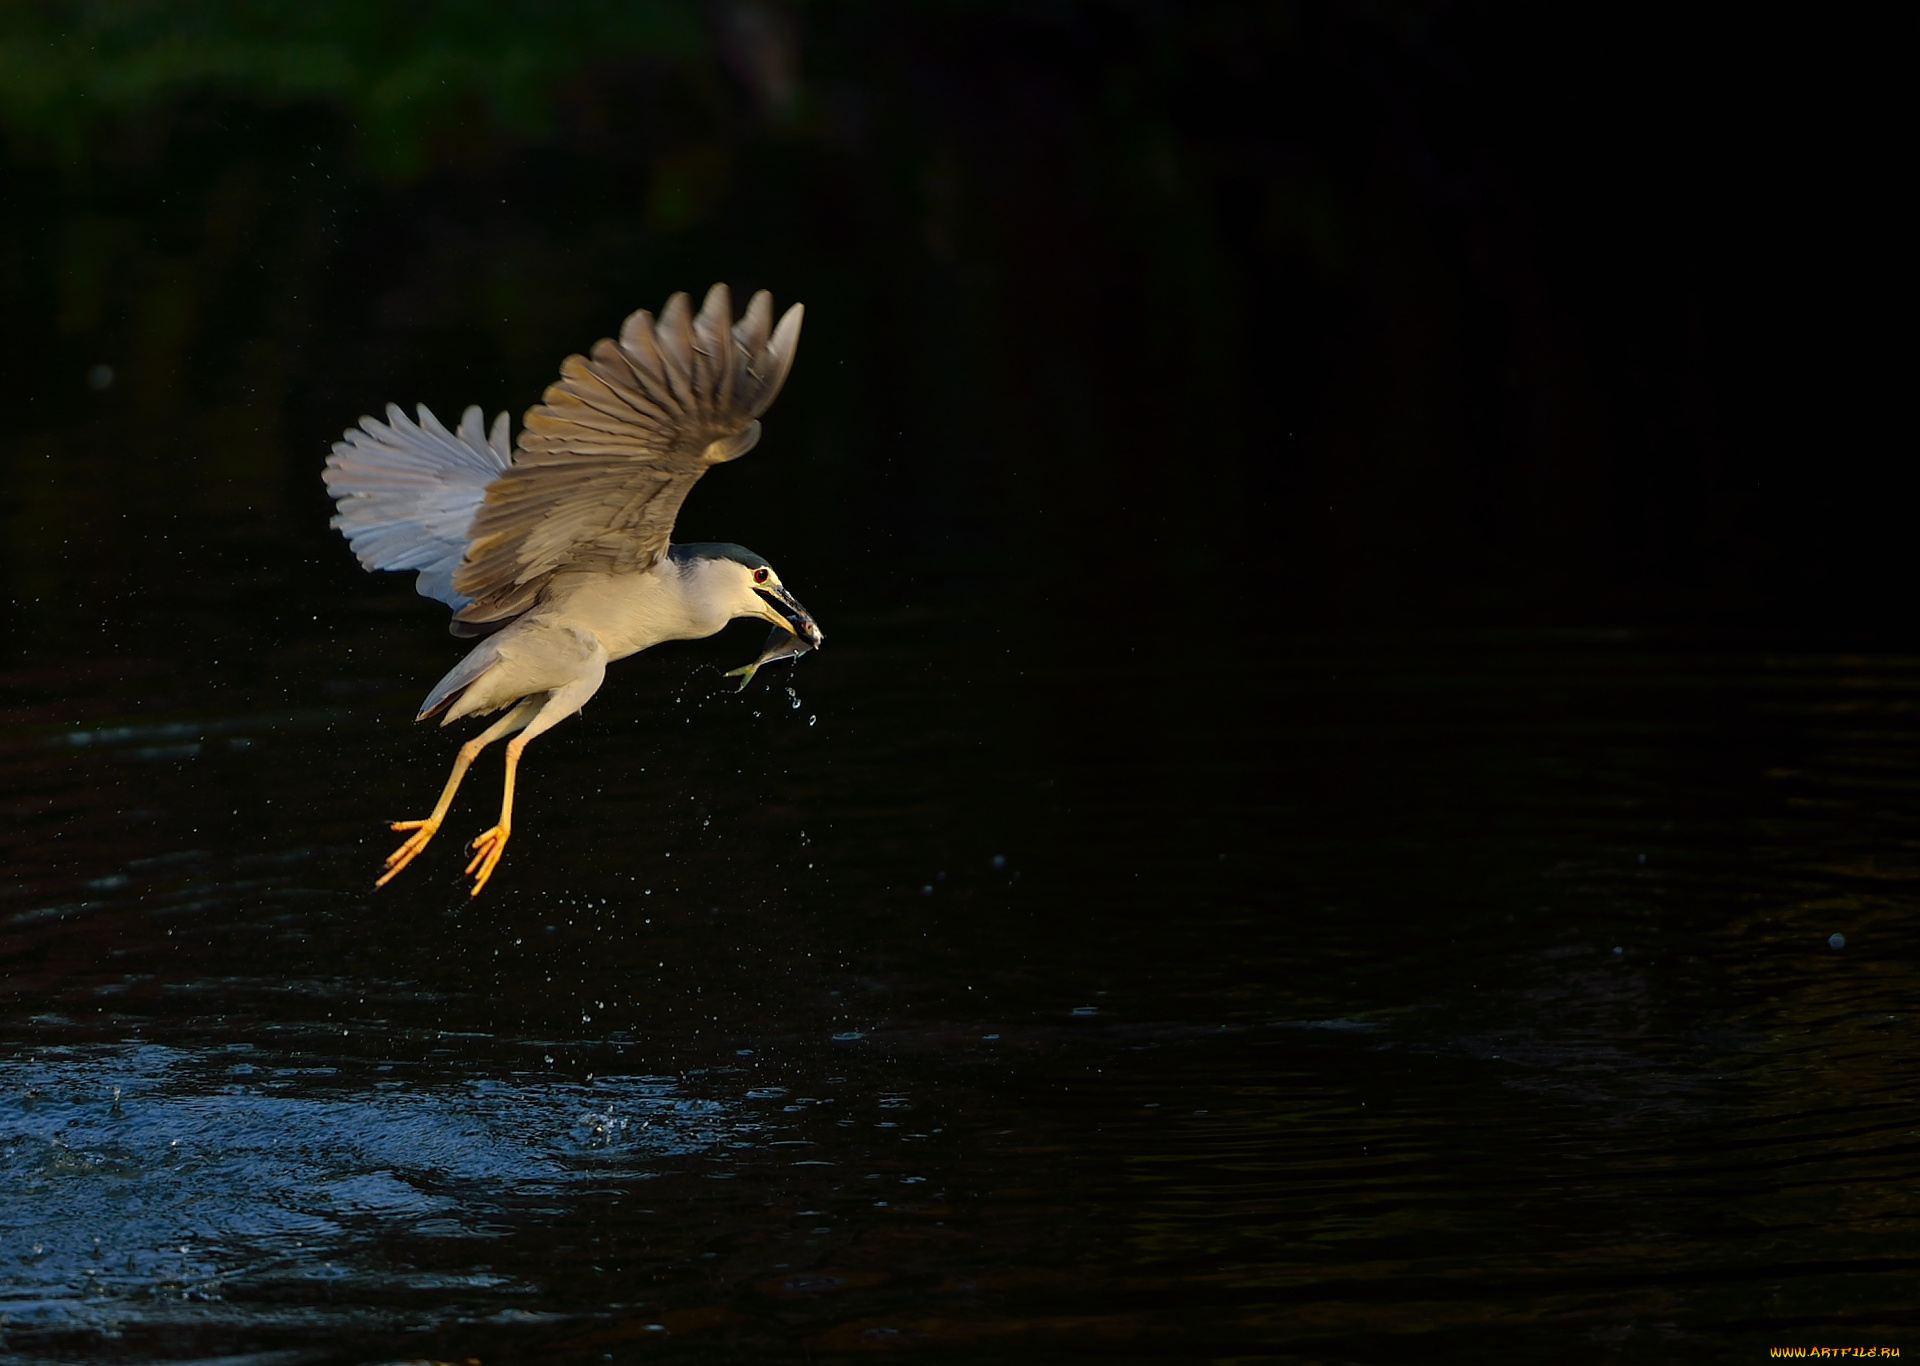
(759,576)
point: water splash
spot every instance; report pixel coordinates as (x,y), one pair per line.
(159,1176)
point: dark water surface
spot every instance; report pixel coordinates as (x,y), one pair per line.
(1383,999)
(1108,949)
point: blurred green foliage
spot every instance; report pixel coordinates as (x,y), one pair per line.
(1425,309)
(402,71)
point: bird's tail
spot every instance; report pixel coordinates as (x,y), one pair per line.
(459,678)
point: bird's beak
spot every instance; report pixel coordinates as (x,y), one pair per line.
(783,609)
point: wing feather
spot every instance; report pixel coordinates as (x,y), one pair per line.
(638,349)
(674,336)
(613,368)
(407,492)
(606,459)
(750,333)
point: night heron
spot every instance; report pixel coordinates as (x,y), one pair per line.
(558,552)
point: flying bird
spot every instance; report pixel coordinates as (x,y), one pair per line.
(558,552)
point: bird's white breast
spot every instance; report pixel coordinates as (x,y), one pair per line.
(631,612)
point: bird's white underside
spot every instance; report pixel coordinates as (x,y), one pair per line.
(587,621)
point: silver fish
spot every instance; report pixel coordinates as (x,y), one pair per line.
(781,644)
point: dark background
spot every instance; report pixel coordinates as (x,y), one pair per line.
(1293,314)
(1360,804)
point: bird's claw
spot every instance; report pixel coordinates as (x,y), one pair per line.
(423,831)
(487,847)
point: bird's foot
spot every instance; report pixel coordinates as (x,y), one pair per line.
(406,853)
(487,848)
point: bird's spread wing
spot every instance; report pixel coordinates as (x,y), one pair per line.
(407,492)
(607,458)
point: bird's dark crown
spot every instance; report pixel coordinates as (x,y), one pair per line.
(684,555)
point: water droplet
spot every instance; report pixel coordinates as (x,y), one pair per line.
(1838,941)
(812,719)
(1618,949)
(997,862)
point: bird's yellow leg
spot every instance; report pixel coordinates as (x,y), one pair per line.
(490,844)
(553,708)
(423,831)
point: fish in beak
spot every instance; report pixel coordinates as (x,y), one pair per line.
(781,644)
(787,611)
(795,633)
